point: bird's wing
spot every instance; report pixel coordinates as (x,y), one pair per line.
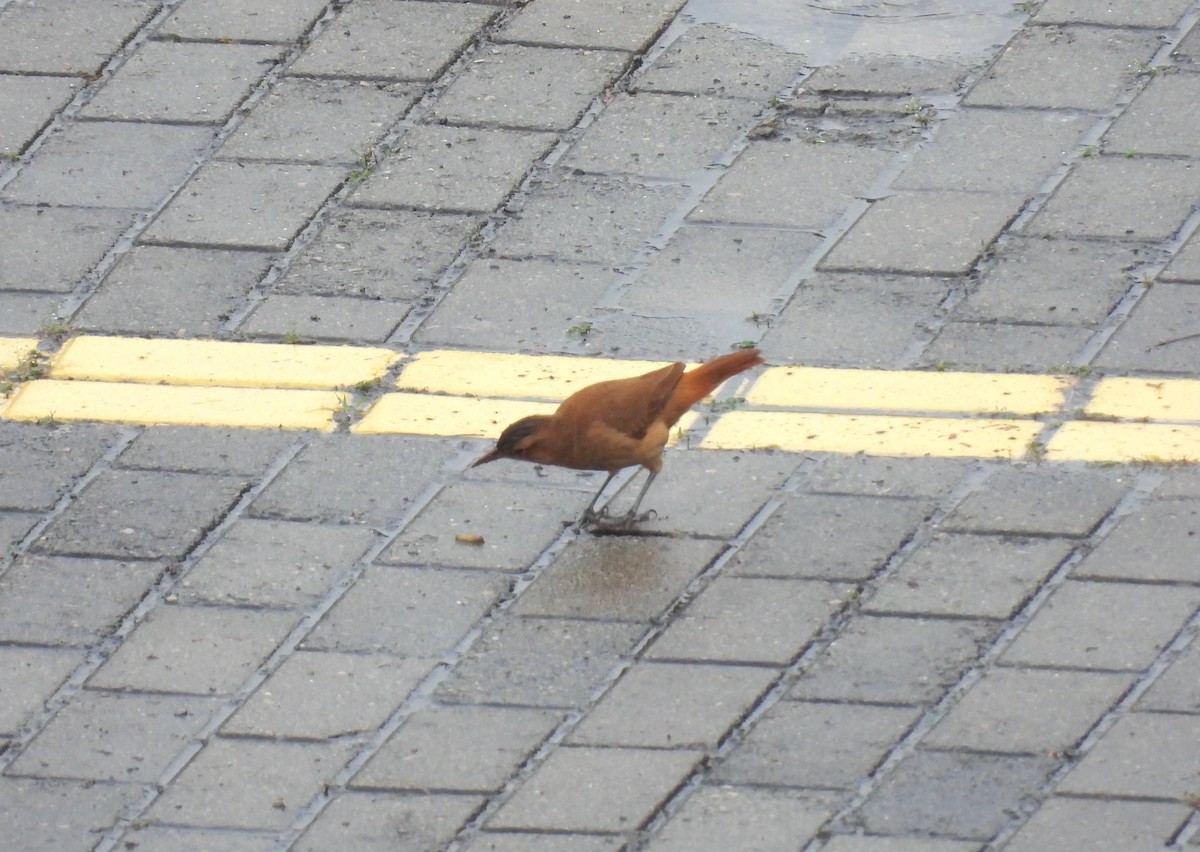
(628,406)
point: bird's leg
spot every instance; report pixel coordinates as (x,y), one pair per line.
(589,516)
(630,517)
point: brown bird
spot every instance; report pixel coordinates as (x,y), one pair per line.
(616,424)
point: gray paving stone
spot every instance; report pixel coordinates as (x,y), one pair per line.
(728,817)
(626,785)
(1043,67)
(192,82)
(1186,264)
(57,37)
(880,843)
(667,338)
(411,611)
(61,815)
(112,736)
(26,314)
(672,705)
(622,578)
(711,492)
(1159,121)
(37,464)
(29,262)
(731,271)
(1176,687)
(274,20)
(165,838)
(828,537)
(372,821)
(65,601)
(1042,500)
(513,304)
(1119,626)
(1150,755)
(808,744)
(587,218)
(949,793)
(378,254)
(243,783)
(194,649)
(750,619)
(988,150)
(973,575)
(252,205)
(879,476)
(794,184)
(579,23)
(141,514)
(205,449)
(28,104)
(524,86)
(931,233)
(662,136)
(1035,711)
(1121,198)
(325,318)
(453,169)
(709,59)
(1180,482)
(848,320)
(294,701)
(516,522)
(903,660)
(142,294)
(364,40)
(1160,15)
(885,75)
(360,479)
(471,748)
(28,677)
(519,841)
(274,563)
(520,661)
(14,526)
(320,121)
(1101,825)
(109,164)
(1038,280)
(1157,542)
(1160,334)
(1188,50)
(999,346)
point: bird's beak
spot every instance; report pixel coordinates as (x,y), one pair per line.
(484,459)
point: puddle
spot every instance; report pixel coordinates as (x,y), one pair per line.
(824,31)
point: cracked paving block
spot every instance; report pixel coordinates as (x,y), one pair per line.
(205,449)
(621,788)
(142,514)
(30,262)
(109,164)
(521,661)
(1158,542)
(68,601)
(809,744)
(112,736)
(274,563)
(1150,755)
(728,817)
(1051,500)
(1028,710)
(29,104)
(623,578)
(56,37)
(183,291)
(750,619)
(709,59)
(1099,825)
(28,677)
(361,479)
(274,20)
(38,464)
(62,814)
(198,650)
(1162,333)
(821,536)
(473,748)
(243,783)
(892,659)
(1118,626)
(958,794)
(971,575)
(578,22)
(673,705)
(375,821)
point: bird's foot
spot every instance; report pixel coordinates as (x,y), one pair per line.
(604,522)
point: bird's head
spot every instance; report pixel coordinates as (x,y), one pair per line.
(519,441)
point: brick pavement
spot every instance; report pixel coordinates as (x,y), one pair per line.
(214,638)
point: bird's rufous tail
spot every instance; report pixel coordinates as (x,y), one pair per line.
(696,384)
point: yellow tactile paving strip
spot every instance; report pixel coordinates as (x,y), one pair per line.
(793,408)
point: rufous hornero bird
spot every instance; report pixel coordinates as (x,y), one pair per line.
(616,424)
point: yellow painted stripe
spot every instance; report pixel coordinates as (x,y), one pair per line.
(873,434)
(116,402)
(882,390)
(429,414)
(1083,440)
(1145,398)
(217,362)
(13,349)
